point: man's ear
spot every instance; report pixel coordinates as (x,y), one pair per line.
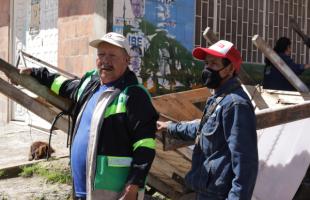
(128,60)
(228,70)
(232,69)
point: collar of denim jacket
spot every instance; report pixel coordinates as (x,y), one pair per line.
(229,86)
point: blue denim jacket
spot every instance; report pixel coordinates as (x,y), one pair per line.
(225,163)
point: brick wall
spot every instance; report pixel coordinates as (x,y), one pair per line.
(239,20)
(78,24)
(4,13)
(74,53)
(68,8)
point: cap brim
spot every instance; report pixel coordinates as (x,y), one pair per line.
(201,53)
(95,43)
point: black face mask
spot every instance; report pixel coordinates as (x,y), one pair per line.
(211,78)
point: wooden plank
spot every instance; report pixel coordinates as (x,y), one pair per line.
(175,159)
(31,104)
(161,186)
(211,38)
(186,152)
(34,86)
(156,172)
(179,106)
(272,117)
(193,96)
(190,196)
(175,108)
(264,118)
(255,93)
(297,29)
(300,97)
(165,171)
(59,70)
(279,64)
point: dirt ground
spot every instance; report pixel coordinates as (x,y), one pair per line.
(35,188)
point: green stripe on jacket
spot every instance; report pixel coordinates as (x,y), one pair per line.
(57,84)
(146,142)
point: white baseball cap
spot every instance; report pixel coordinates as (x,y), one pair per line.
(114,39)
(221,49)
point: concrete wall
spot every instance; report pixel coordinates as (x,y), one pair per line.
(4,53)
(79,22)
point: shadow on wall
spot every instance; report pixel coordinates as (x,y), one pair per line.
(282,181)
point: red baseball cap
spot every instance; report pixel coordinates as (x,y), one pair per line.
(221,49)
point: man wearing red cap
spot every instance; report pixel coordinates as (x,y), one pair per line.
(225,156)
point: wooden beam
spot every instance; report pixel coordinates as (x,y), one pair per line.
(31,104)
(176,108)
(279,64)
(211,38)
(193,96)
(34,86)
(297,29)
(272,117)
(60,71)
(162,187)
(264,119)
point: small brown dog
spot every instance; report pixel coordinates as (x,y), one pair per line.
(39,150)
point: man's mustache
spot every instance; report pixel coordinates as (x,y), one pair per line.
(105,67)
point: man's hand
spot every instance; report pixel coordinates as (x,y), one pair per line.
(25,71)
(130,193)
(162,126)
(21,71)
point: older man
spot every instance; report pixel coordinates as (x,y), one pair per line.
(114,124)
(225,157)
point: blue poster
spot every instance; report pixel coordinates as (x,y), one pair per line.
(176,17)
(161,36)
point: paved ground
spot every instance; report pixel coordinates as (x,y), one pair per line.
(16,139)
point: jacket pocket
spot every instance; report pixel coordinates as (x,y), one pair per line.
(112,172)
(222,176)
(209,139)
(210,127)
(198,177)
